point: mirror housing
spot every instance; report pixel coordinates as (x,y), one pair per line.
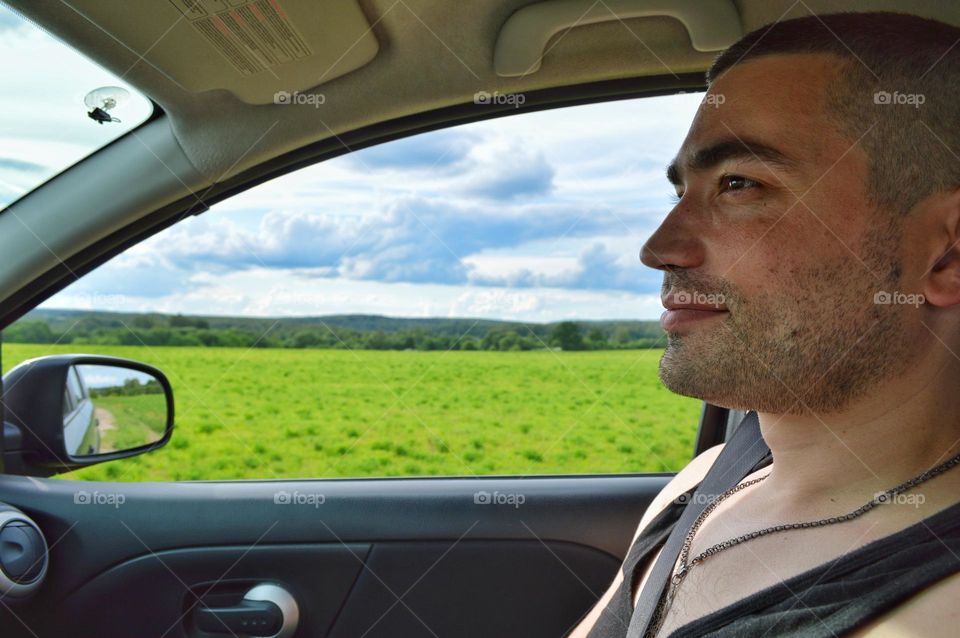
(33,400)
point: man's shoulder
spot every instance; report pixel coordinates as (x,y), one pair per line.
(690,476)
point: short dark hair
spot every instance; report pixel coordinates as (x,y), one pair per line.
(899,90)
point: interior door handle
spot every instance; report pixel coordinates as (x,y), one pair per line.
(250,618)
(267,611)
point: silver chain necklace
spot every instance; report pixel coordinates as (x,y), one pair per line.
(683,567)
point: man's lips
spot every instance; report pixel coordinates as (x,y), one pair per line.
(678,318)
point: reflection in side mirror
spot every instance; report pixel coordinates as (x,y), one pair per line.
(111,409)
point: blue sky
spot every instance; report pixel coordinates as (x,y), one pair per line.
(536,217)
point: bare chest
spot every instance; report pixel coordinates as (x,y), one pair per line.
(742,571)
(736,574)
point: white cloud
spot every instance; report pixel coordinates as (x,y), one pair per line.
(271,292)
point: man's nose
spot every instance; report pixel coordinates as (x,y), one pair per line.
(674,244)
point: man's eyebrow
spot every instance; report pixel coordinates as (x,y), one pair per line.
(735,148)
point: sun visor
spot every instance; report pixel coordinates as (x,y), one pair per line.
(260,50)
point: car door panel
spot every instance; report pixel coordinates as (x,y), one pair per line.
(374,557)
(160,592)
(474,588)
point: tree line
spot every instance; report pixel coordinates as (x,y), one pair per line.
(130,387)
(178,330)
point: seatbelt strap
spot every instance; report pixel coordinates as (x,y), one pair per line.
(738,458)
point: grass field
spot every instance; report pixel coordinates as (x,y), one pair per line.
(282,413)
(127,422)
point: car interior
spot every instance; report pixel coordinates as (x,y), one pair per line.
(391,557)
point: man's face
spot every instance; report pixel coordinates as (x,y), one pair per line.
(774,225)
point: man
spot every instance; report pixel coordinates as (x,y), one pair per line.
(812,274)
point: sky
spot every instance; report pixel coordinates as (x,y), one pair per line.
(534,217)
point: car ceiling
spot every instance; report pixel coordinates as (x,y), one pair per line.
(428,54)
(410,65)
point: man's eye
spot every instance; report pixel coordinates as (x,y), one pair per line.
(675,198)
(736,183)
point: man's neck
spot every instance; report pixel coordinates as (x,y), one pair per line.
(890,436)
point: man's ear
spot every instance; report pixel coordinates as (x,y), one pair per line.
(941,285)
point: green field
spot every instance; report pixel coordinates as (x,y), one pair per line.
(283,413)
(140,419)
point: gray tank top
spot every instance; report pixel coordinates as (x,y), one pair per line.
(826,601)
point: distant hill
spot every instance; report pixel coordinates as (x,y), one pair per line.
(354,331)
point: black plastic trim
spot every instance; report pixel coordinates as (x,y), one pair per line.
(600,512)
(713,427)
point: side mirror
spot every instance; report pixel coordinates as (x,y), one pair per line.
(64,412)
